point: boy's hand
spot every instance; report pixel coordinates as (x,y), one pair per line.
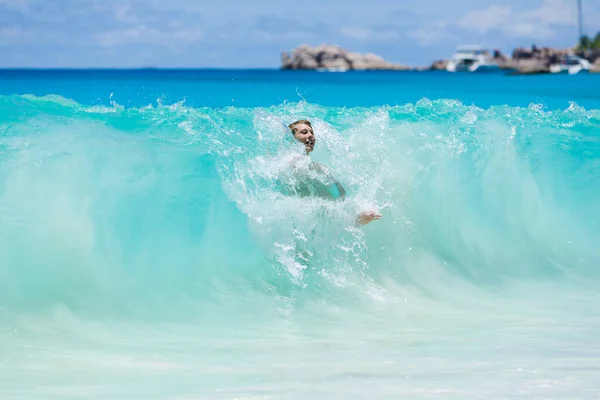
(366,217)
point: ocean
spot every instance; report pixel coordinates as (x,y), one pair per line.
(148,251)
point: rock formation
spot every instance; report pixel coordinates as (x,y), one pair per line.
(593,56)
(501,59)
(439,65)
(329,57)
(539,60)
(528,66)
(535,53)
(596,67)
(532,60)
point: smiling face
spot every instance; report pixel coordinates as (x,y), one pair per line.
(303,132)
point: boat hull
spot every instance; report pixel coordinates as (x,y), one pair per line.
(476,67)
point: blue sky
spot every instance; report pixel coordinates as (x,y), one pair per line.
(237,33)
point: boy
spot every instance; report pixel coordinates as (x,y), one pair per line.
(304,133)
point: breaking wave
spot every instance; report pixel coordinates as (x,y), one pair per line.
(172,210)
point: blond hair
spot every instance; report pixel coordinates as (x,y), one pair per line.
(300,121)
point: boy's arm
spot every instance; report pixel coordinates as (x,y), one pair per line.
(321,168)
(361,219)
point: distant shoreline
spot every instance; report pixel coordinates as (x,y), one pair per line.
(333,58)
(528,67)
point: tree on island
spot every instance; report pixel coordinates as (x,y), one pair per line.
(586,43)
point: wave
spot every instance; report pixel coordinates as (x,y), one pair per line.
(172,209)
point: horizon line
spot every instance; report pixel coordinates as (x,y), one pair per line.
(134,68)
(272,69)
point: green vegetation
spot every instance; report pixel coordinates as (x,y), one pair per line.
(586,43)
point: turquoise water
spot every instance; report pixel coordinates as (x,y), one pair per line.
(147,251)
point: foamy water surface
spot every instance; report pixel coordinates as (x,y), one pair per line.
(148,251)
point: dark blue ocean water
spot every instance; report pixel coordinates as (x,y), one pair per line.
(260,88)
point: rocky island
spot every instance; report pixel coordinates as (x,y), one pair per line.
(523,61)
(540,60)
(334,58)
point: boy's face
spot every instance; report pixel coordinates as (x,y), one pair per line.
(304,134)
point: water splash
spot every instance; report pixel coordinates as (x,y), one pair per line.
(100,206)
(156,241)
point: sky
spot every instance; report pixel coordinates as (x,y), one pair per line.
(252,34)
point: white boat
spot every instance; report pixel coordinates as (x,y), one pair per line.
(471,59)
(570,64)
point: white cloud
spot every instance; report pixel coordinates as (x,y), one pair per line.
(554,12)
(14,33)
(18,35)
(36,13)
(123,13)
(280,37)
(365,34)
(537,23)
(429,34)
(484,20)
(15,4)
(173,40)
(529,30)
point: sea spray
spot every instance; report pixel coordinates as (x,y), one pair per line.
(156,204)
(150,252)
